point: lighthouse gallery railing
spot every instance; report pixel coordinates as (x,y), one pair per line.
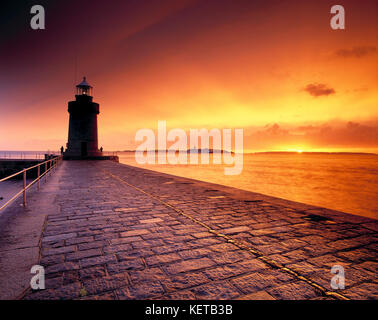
(50,165)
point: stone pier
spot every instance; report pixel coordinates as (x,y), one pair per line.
(104,230)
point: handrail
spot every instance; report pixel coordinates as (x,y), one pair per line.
(53,163)
(21,155)
(109,153)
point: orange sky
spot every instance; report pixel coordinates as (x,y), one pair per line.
(274,68)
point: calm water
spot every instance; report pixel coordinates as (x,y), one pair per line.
(345,182)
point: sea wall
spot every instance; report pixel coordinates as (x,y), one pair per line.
(11,166)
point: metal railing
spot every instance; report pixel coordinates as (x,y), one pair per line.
(109,153)
(16,155)
(50,166)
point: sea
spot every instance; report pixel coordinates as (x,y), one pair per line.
(341,181)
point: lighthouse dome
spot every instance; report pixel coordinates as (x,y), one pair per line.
(84,88)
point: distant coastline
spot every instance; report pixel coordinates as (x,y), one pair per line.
(269,152)
(187,151)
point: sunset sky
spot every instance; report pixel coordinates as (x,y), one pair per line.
(274,68)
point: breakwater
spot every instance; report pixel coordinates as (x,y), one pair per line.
(112,231)
(11,166)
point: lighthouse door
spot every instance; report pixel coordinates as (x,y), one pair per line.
(84,149)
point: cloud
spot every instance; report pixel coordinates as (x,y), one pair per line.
(275,130)
(334,134)
(349,134)
(356,52)
(319,89)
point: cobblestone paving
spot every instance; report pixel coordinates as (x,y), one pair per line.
(128,233)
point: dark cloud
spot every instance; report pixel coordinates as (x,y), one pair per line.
(356,52)
(319,89)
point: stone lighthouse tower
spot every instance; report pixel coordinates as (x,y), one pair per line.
(82,133)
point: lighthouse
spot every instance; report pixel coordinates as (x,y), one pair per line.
(82,132)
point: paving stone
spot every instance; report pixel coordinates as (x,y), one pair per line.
(137,232)
(66,266)
(60,250)
(368,265)
(91,245)
(104,296)
(148,274)
(235,230)
(189,265)
(126,240)
(58,237)
(83,254)
(303,267)
(92,272)
(195,253)
(216,291)
(180,295)
(293,291)
(153,220)
(162,259)
(126,265)
(117,248)
(364,291)
(53,283)
(141,290)
(260,295)
(121,243)
(357,255)
(107,283)
(229,257)
(184,280)
(257,281)
(78,240)
(70,291)
(88,262)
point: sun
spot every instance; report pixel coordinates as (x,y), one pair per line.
(299,151)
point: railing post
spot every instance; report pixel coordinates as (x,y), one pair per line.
(25,188)
(45,171)
(39,180)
